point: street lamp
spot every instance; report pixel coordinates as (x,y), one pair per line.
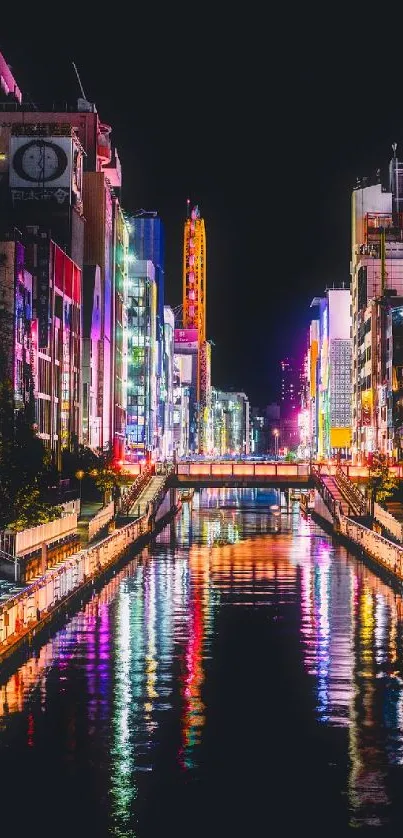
(276,434)
(79,475)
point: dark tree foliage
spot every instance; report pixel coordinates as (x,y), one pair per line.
(97,468)
(25,464)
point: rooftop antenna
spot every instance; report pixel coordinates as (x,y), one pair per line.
(394,147)
(188,208)
(79,81)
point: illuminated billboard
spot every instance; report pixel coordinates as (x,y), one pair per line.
(187,338)
(366,407)
(46,167)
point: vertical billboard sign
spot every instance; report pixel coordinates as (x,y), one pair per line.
(34,355)
(43,292)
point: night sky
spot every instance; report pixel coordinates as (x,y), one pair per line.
(265,124)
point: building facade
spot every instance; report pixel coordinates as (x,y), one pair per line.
(377,288)
(59,172)
(329,369)
(231,423)
(167,398)
(141,427)
(147,236)
(16,327)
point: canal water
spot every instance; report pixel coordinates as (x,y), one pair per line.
(242,676)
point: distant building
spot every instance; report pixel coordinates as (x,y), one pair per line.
(332,347)
(147,237)
(141,433)
(258,431)
(167,385)
(231,423)
(181,404)
(289,388)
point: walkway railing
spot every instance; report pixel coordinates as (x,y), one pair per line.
(351,493)
(245,470)
(129,498)
(332,504)
(385,552)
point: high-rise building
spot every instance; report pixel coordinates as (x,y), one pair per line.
(194,320)
(258,431)
(181,389)
(331,345)
(147,234)
(141,428)
(290,386)
(231,423)
(186,348)
(377,288)
(119,332)
(167,434)
(59,173)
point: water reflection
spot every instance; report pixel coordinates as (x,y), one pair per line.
(126,693)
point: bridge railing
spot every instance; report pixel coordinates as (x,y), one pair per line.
(272,469)
(229,469)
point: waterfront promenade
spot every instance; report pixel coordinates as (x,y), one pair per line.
(24,611)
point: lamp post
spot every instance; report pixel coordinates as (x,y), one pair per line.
(79,475)
(276,433)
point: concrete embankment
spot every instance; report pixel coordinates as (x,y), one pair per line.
(24,615)
(383,554)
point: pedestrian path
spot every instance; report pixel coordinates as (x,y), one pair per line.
(88,510)
(139,508)
(335,492)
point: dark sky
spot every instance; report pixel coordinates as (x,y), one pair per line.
(265,123)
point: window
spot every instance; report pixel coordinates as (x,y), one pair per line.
(58,306)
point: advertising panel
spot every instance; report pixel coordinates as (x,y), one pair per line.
(34,354)
(42,305)
(186,338)
(186,369)
(366,406)
(41,168)
(339,311)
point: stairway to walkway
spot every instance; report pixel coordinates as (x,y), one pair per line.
(139,508)
(332,487)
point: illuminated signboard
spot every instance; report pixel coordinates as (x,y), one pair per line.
(42,304)
(187,338)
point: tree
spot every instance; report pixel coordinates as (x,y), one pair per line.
(96,465)
(31,511)
(382,483)
(105,475)
(25,464)
(6,413)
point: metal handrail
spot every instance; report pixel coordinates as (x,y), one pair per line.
(136,488)
(332,504)
(7,556)
(354,496)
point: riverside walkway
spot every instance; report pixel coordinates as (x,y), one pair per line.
(339,503)
(25,610)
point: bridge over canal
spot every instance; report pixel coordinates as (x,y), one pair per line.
(226,473)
